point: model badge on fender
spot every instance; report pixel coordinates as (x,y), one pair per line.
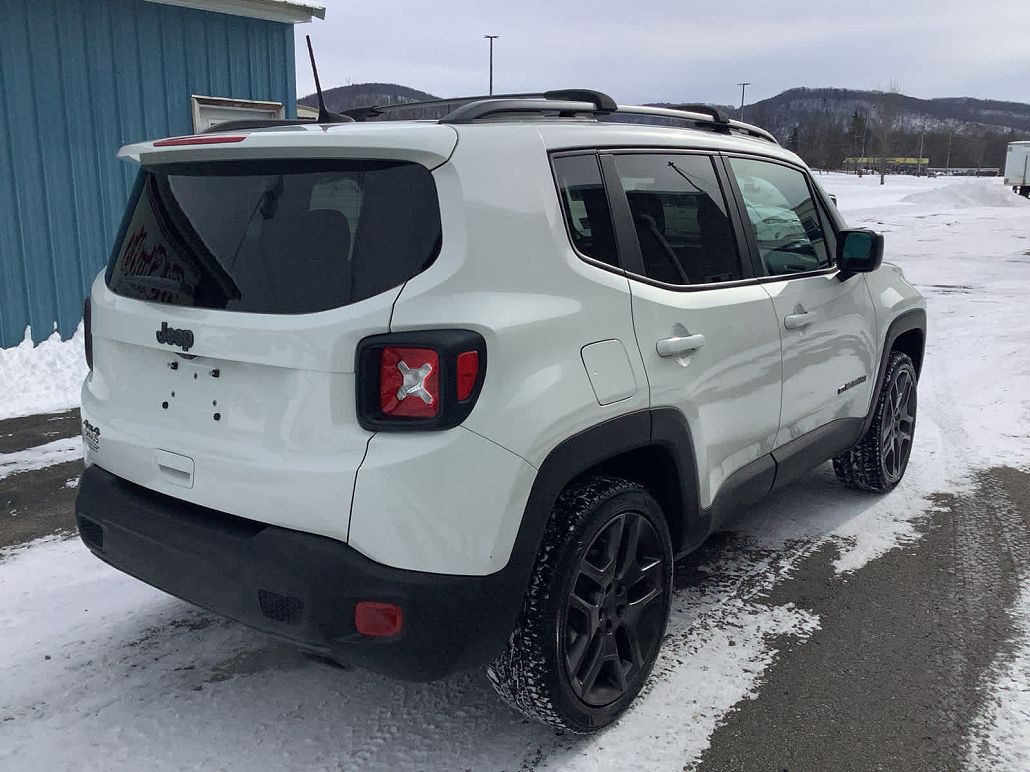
(174,337)
(851,384)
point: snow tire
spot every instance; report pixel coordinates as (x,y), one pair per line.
(533,673)
(868,466)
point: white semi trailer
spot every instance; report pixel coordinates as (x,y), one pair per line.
(1017,167)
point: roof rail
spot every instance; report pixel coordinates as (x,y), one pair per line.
(598,102)
(568,103)
(702,120)
(718,115)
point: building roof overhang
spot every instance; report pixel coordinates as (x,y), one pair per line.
(288,11)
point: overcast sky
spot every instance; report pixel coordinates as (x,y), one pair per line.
(676,50)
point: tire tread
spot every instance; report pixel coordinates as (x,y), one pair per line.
(861,467)
(521,674)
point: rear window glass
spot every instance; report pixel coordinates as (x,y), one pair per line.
(276,237)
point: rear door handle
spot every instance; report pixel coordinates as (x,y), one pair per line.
(797,321)
(670,347)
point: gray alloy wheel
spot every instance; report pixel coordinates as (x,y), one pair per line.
(899,424)
(879,460)
(606,629)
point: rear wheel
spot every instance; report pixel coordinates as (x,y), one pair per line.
(878,462)
(596,610)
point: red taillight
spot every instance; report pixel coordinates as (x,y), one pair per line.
(409,382)
(201,139)
(378,620)
(418,380)
(87,330)
(468,370)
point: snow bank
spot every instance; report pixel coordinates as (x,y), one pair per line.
(967,194)
(43,378)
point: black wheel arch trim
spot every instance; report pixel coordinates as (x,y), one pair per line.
(665,428)
(913,319)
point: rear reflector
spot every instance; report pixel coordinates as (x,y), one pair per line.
(468,369)
(409,382)
(378,620)
(201,139)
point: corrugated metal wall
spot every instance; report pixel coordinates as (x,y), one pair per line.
(79,79)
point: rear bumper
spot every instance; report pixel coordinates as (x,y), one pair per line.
(297,586)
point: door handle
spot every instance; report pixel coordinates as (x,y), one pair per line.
(669,347)
(797,321)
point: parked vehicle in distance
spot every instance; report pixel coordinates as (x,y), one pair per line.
(1017,168)
(425,396)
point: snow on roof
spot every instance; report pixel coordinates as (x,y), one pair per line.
(290,11)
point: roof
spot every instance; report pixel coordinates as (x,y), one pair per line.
(288,11)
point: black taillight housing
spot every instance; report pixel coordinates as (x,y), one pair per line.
(424,380)
(87,329)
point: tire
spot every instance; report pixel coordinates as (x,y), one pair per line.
(878,462)
(569,619)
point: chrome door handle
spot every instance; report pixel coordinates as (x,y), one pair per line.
(670,347)
(797,321)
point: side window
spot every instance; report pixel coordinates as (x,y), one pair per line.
(586,207)
(783,216)
(680,218)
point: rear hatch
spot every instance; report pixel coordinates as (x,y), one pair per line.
(224,330)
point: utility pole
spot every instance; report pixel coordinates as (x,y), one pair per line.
(742,87)
(919,160)
(947,164)
(491,38)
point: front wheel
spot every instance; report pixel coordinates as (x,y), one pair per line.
(878,462)
(595,613)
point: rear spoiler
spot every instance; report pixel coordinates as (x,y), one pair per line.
(429,144)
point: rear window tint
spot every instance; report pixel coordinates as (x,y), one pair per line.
(275,237)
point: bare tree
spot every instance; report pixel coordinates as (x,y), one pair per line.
(888,117)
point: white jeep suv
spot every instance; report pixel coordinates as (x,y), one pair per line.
(429,395)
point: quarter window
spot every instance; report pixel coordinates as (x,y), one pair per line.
(783,216)
(680,218)
(586,207)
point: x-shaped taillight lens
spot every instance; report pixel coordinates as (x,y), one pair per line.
(409,382)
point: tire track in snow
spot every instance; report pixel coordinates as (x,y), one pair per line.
(40,457)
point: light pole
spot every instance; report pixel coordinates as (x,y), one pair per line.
(491,38)
(742,87)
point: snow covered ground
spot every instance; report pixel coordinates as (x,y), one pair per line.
(98,671)
(1001,732)
(40,457)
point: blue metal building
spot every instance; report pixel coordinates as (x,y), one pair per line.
(81,78)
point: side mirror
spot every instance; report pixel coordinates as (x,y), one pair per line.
(859,251)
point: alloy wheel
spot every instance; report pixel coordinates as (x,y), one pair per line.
(614,616)
(898,424)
